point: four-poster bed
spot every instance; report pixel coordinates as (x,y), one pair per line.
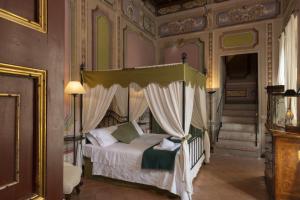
(176,97)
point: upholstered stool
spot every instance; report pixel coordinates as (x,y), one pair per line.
(72,179)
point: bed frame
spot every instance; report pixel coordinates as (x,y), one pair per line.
(195,142)
(111,118)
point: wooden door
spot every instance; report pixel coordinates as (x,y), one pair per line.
(31,99)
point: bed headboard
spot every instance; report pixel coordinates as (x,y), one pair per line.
(111,118)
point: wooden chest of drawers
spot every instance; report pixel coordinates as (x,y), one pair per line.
(282,165)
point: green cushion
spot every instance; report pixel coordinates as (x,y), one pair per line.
(126,133)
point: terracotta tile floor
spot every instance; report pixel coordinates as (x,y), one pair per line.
(225,178)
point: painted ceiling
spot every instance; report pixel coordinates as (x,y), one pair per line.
(164,7)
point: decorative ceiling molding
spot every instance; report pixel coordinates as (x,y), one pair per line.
(249,13)
(185,5)
(134,11)
(110,2)
(239,39)
(182,26)
(150,7)
(220,1)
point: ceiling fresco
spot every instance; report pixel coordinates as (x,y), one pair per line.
(164,7)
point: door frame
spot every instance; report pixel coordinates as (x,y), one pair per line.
(260,91)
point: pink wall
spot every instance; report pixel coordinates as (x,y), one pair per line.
(139,51)
(173,54)
(67,63)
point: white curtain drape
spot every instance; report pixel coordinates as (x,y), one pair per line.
(96,101)
(166,106)
(288,59)
(291,59)
(138,103)
(281,70)
(120,101)
(291,52)
(199,118)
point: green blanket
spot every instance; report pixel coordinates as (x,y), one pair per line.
(159,159)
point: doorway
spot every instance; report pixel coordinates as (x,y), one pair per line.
(238,134)
(241,79)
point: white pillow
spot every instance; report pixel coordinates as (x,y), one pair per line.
(165,143)
(92,139)
(103,135)
(137,127)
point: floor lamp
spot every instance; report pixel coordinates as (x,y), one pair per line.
(74,88)
(211,92)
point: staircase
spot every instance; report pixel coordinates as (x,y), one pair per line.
(237,135)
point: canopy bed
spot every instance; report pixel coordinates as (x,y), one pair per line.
(176,97)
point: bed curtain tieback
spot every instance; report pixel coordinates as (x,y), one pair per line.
(186,138)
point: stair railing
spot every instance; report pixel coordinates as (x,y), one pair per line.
(220,109)
(256,129)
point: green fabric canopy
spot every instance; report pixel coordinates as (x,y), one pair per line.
(162,75)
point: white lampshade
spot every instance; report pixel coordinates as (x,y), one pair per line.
(74,87)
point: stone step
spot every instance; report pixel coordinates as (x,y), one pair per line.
(242,113)
(237,136)
(238,127)
(240,107)
(236,152)
(241,120)
(237,145)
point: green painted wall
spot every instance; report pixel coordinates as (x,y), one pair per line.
(103,43)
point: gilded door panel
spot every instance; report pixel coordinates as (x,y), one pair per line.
(27,9)
(8,139)
(24,188)
(29,13)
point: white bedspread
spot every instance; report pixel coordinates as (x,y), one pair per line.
(123,161)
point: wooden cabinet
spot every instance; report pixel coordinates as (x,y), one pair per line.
(282,149)
(269,164)
(282,166)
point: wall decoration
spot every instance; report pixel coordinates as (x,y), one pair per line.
(169,10)
(83,31)
(194,4)
(119,40)
(181,7)
(248,14)
(240,39)
(102,40)
(210,59)
(269,54)
(187,25)
(134,11)
(38,22)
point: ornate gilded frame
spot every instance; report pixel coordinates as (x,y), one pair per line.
(39,76)
(17,140)
(40,25)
